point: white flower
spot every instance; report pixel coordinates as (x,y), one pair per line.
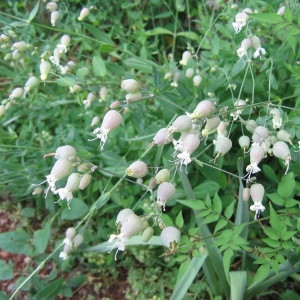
(241,20)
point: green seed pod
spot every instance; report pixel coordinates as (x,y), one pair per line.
(147,234)
(84,167)
(2,110)
(162,175)
(138,169)
(85,181)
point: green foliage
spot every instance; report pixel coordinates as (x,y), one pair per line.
(179,53)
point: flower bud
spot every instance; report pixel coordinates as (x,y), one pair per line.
(284,136)
(244,142)
(130,85)
(37,191)
(16,93)
(162,137)
(152,184)
(115,104)
(170,237)
(211,126)
(83,14)
(138,169)
(65,40)
(257,192)
(95,121)
(147,234)
(186,56)
(181,124)
(65,152)
(31,84)
(257,153)
(246,194)
(85,181)
(45,68)
(223,145)
(251,125)
(203,110)
(197,79)
(260,134)
(189,73)
(78,240)
(222,129)
(70,233)
(73,182)
(51,6)
(162,175)
(2,110)
(132,97)
(103,93)
(8,57)
(20,46)
(165,191)
(54,17)
(123,215)
(281,150)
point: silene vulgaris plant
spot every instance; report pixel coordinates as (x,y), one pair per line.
(199,131)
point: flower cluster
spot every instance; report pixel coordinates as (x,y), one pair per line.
(70,167)
(71,241)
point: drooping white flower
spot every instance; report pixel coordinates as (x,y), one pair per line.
(111,120)
(257,192)
(186,56)
(241,20)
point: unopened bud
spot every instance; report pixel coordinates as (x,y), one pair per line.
(132,97)
(16,93)
(197,79)
(51,6)
(182,124)
(66,152)
(203,110)
(162,137)
(260,134)
(162,175)
(130,85)
(83,14)
(45,68)
(78,240)
(115,104)
(138,169)
(147,234)
(54,17)
(85,181)
(246,194)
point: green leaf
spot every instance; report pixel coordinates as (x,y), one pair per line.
(271,233)
(66,81)
(50,291)
(179,220)
(275,220)
(287,185)
(206,188)
(99,67)
(6,270)
(16,242)
(34,12)
(184,283)
(220,224)
(210,218)
(238,282)
(158,31)
(193,204)
(77,209)
(41,238)
(98,34)
(276,199)
(271,243)
(270,18)
(217,204)
(261,273)
(227,257)
(140,64)
(189,35)
(269,172)
(229,210)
